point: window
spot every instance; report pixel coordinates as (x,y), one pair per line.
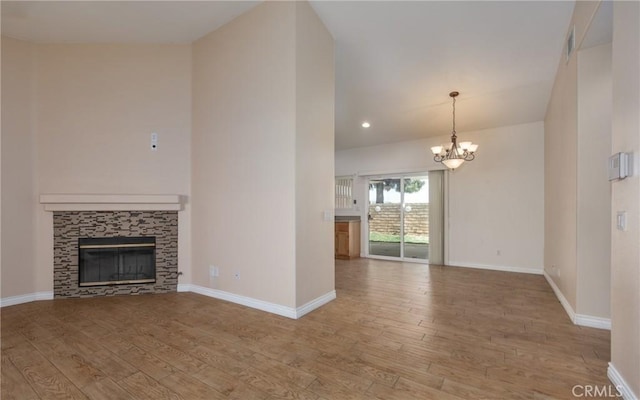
(344,192)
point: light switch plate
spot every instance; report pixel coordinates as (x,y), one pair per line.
(327,215)
(621,220)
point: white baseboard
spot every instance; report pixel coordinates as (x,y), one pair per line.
(621,385)
(273,308)
(521,270)
(560,296)
(578,319)
(184,287)
(25,298)
(315,303)
(593,322)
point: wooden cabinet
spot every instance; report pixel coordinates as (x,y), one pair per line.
(347,239)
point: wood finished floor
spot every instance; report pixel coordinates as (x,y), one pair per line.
(396,331)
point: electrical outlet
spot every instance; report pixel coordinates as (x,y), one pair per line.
(213,271)
(236,275)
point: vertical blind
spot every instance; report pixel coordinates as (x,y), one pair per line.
(436,217)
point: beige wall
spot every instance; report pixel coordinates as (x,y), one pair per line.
(625,249)
(94,108)
(18,168)
(244,116)
(561,167)
(97,106)
(501,190)
(560,181)
(594,189)
(263,117)
(314,180)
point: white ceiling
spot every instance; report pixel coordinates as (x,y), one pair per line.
(117,21)
(396,61)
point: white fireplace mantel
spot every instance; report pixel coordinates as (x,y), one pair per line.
(111,202)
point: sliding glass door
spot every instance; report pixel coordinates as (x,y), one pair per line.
(385,221)
(416,218)
(398,217)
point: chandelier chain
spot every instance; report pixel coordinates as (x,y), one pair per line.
(454,115)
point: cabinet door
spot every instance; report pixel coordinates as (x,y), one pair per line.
(342,243)
(354,240)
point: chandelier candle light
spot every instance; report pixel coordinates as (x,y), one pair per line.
(453,154)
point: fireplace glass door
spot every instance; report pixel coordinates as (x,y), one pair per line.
(118,260)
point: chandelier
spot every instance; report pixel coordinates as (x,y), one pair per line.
(453,154)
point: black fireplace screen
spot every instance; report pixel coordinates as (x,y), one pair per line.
(117,260)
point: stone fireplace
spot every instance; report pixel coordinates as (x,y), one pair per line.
(121,250)
(70,226)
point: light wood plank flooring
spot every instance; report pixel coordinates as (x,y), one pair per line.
(396,331)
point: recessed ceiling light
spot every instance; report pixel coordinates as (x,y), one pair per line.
(365,124)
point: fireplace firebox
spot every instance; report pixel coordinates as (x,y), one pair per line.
(116,261)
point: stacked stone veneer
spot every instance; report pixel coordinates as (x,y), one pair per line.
(387,220)
(69,226)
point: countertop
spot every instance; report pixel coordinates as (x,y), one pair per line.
(347,218)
